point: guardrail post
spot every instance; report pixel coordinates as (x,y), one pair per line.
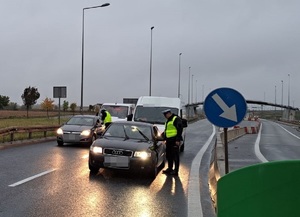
(29,135)
(45,133)
(11,137)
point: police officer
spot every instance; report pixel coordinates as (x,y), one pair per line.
(173,137)
(105,117)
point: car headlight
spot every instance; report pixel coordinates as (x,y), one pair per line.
(59,131)
(142,154)
(96,149)
(85,133)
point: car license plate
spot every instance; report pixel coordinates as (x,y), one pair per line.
(120,162)
(70,137)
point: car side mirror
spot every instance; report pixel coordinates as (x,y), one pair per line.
(97,124)
(129,117)
(159,138)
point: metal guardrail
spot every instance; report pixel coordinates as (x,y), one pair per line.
(12,131)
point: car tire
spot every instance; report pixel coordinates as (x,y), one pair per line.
(93,169)
(153,172)
(93,139)
(162,164)
(60,143)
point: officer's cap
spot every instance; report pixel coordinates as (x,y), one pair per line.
(166,111)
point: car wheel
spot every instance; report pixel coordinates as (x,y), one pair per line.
(60,143)
(93,139)
(153,173)
(93,169)
(162,164)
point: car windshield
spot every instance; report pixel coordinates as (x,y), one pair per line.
(152,115)
(128,131)
(117,110)
(86,121)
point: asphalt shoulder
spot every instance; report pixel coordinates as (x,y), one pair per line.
(241,152)
(17,143)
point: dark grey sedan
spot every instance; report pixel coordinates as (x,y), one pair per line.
(127,145)
(81,129)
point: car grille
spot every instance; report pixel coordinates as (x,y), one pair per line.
(71,132)
(118,152)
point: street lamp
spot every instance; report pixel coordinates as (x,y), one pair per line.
(281,94)
(179,77)
(150,62)
(82,50)
(289,99)
(189,90)
(289,91)
(192,99)
(275,98)
(196,92)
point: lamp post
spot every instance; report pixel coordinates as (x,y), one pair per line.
(196,92)
(282,94)
(192,98)
(189,89)
(289,98)
(275,98)
(289,91)
(179,77)
(150,62)
(82,50)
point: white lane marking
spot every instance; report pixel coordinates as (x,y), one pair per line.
(288,131)
(256,146)
(194,202)
(257,150)
(31,178)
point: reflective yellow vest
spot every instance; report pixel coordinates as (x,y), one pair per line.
(107,118)
(171,130)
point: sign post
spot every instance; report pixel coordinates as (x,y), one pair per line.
(59,92)
(225,107)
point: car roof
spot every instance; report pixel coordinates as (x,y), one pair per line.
(133,123)
(89,116)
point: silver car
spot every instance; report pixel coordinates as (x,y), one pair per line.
(81,129)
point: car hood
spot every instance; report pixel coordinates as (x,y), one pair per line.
(76,128)
(120,143)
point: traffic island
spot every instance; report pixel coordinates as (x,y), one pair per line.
(262,190)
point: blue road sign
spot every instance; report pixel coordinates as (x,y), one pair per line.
(225,107)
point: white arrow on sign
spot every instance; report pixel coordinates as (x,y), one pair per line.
(228,112)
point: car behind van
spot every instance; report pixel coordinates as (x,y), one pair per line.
(118,111)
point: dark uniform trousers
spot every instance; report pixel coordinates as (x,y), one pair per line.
(172,153)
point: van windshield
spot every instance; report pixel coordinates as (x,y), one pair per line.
(117,110)
(152,115)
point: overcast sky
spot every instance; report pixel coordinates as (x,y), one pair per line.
(252,46)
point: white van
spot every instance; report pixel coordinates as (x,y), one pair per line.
(118,111)
(149,109)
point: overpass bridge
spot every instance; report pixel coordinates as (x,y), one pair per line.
(288,114)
